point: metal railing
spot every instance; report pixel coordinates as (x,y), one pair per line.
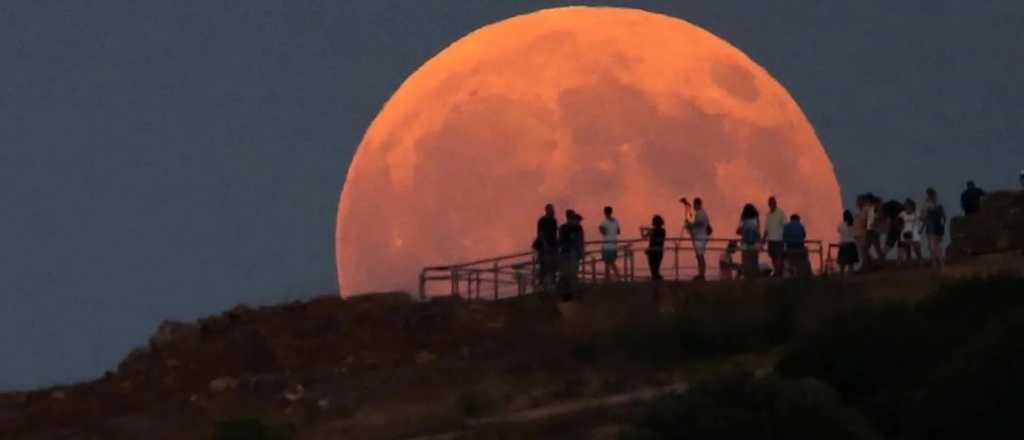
(516,274)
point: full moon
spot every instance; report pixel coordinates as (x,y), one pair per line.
(581,107)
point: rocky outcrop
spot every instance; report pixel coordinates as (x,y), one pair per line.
(997,227)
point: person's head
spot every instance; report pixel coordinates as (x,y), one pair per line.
(909,205)
(861,200)
(657,221)
(549,210)
(932,195)
(749,211)
(772,203)
(608,211)
(732,247)
(570,215)
(698,203)
(970,184)
(795,218)
(848,217)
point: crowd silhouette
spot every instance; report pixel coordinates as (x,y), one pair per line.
(866,237)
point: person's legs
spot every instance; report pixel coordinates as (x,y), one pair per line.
(915,247)
(750,264)
(654,262)
(776,253)
(935,247)
(699,246)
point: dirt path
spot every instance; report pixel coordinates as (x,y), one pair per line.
(565,408)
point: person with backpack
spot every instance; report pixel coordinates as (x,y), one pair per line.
(610,231)
(750,239)
(700,231)
(935,227)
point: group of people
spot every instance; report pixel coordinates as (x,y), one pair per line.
(904,227)
(866,238)
(560,248)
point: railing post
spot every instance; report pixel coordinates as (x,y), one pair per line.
(455,282)
(495,280)
(423,285)
(675,257)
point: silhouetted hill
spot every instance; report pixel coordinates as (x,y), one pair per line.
(386,366)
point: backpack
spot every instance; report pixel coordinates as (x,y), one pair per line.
(750,235)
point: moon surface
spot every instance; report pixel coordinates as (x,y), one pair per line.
(581,107)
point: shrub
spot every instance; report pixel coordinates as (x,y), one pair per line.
(735,407)
(252,428)
(863,350)
(979,394)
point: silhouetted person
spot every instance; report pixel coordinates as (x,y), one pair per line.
(1021,179)
(727,266)
(570,246)
(935,227)
(894,224)
(848,256)
(910,238)
(610,231)
(860,232)
(546,245)
(655,246)
(877,225)
(750,240)
(970,199)
(795,238)
(774,221)
(700,231)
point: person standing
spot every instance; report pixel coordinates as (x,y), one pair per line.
(894,224)
(774,222)
(860,232)
(546,245)
(910,237)
(847,257)
(656,245)
(970,199)
(610,231)
(935,227)
(750,240)
(570,241)
(877,225)
(700,231)
(795,238)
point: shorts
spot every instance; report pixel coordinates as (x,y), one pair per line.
(776,249)
(609,255)
(700,245)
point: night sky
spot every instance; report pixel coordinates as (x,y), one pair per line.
(168,160)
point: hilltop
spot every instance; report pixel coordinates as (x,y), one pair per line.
(386,366)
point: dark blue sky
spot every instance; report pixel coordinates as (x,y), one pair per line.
(167,160)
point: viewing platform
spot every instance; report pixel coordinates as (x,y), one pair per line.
(516,274)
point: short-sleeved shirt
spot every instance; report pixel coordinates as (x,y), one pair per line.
(794,235)
(610,237)
(774,222)
(699,226)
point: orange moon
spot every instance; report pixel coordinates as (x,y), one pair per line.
(582,107)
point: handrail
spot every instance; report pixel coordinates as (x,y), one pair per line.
(520,269)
